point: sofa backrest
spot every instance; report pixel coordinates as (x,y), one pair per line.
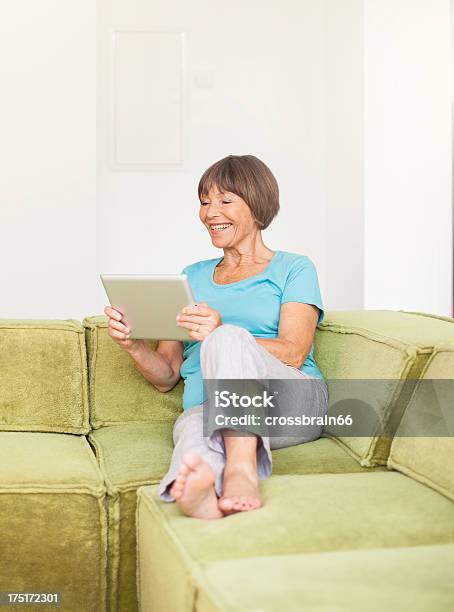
(119,393)
(423,446)
(384,345)
(377,344)
(43,376)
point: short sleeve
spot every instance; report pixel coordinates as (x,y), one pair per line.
(302,285)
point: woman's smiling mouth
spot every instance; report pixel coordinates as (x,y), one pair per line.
(216,228)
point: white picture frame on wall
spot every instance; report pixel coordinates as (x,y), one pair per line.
(147,100)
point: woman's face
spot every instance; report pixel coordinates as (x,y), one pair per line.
(227,217)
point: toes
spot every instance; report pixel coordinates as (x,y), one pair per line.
(238,504)
(253,503)
(176,491)
(225,503)
(245,503)
(184,470)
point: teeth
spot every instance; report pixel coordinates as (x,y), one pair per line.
(223,226)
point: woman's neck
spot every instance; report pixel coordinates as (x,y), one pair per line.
(248,254)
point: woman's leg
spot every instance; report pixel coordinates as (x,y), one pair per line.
(240,483)
(235,463)
(231,352)
(195,475)
(195,472)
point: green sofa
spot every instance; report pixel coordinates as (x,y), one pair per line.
(347,524)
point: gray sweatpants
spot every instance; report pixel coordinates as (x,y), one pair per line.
(231,352)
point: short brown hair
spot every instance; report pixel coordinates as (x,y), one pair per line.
(248,177)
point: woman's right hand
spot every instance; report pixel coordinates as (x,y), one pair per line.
(118,330)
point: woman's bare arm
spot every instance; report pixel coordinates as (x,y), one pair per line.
(161,367)
(297,323)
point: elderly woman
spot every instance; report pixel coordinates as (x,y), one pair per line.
(255,318)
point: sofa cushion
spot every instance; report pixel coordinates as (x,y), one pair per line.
(418,449)
(429,314)
(322,456)
(137,454)
(301,514)
(132,454)
(383,345)
(119,393)
(417,578)
(44,376)
(129,456)
(53,519)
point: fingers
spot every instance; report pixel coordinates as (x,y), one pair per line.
(117,329)
(189,325)
(119,326)
(194,333)
(194,319)
(119,335)
(196,336)
(115,313)
(200,309)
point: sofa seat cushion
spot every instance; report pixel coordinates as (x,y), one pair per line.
(44,376)
(137,454)
(423,446)
(301,514)
(53,518)
(317,457)
(132,454)
(417,578)
(383,345)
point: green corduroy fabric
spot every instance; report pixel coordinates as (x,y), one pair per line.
(129,456)
(428,314)
(415,578)
(119,393)
(43,386)
(135,454)
(301,514)
(429,459)
(322,456)
(377,344)
(54,482)
(53,518)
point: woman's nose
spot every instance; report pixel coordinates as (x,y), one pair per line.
(212,210)
(213,206)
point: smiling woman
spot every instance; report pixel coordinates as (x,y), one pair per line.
(255,318)
(243,179)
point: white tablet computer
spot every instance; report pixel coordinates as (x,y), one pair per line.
(150,303)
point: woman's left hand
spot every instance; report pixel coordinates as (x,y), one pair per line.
(199,320)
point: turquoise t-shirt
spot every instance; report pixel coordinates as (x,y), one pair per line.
(253,303)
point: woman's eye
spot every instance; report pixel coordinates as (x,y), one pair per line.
(223,201)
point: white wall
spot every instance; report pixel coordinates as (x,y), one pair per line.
(47,158)
(344,154)
(266,99)
(347,106)
(348,102)
(407,155)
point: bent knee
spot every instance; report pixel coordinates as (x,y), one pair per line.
(226,332)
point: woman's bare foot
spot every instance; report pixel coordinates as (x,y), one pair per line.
(193,489)
(240,489)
